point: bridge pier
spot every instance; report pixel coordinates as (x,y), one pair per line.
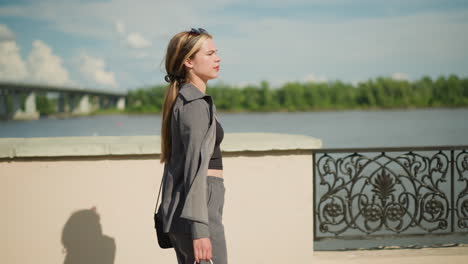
(30,112)
(84,106)
(30,104)
(121,103)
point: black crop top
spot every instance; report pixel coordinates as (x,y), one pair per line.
(216,161)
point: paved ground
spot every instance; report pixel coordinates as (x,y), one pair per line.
(447,255)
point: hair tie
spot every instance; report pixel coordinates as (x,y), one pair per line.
(172,78)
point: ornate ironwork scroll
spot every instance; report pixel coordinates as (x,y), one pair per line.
(361,193)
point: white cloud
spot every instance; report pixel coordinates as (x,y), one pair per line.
(423,43)
(314,78)
(140,54)
(289,48)
(94,69)
(137,41)
(83,20)
(6,34)
(98,18)
(400,76)
(12,67)
(42,65)
(133,40)
(120,27)
(46,67)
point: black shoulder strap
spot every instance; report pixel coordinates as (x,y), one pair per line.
(159,193)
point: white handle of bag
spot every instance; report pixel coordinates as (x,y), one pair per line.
(195,262)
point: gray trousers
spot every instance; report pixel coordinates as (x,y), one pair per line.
(183,243)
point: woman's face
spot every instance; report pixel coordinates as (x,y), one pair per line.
(205,63)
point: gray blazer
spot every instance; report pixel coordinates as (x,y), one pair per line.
(184,195)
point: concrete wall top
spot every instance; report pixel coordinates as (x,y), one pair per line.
(145,145)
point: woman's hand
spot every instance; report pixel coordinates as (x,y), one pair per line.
(202,249)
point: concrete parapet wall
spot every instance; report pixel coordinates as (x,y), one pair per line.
(96,195)
(45,181)
(233,144)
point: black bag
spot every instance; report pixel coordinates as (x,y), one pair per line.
(163,238)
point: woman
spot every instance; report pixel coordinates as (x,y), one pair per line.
(193,188)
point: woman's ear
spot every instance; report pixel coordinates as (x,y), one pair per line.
(188,63)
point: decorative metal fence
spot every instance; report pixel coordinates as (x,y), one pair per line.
(382,197)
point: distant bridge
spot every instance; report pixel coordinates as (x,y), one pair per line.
(70,100)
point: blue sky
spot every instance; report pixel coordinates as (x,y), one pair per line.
(120,45)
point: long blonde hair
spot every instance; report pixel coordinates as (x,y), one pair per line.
(181,47)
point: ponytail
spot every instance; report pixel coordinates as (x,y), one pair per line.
(171,94)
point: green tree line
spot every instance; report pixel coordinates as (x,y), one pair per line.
(381,93)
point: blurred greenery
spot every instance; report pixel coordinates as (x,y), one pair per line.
(379,93)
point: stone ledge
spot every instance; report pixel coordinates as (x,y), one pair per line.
(144,145)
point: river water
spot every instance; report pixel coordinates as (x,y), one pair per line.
(336,129)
